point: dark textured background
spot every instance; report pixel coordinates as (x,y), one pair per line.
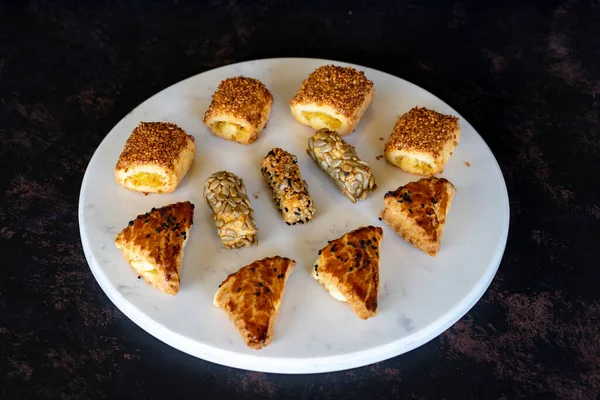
(525,74)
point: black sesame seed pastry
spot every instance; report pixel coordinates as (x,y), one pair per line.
(153,244)
(225,193)
(290,192)
(348,268)
(417,212)
(251,298)
(155,158)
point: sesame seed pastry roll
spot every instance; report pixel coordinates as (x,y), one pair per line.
(422,141)
(239,109)
(333,97)
(155,158)
(226,195)
(290,191)
(339,160)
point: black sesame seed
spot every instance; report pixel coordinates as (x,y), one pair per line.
(147,215)
(139,277)
(410,209)
(147,236)
(274,269)
(219,285)
(130,223)
(422,205)
(288,224)
(350,269)
(239,289)
(433,200)
(346,173)
(268,290)
(157,230)
(319,252)
(316,267)
(260,284)
(257,294)
(193,206)
(251,269)
(271,153)
(153,209)
(380,219)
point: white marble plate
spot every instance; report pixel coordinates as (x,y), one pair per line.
(420,296)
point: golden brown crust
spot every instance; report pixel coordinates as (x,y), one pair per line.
(417,211)
(251,298)
(241,97)
(158,143)
(342,88)
(423,130)
(157,238)
(289,191)
(351,265)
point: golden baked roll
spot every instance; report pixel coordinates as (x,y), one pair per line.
(251,298)
(348,267)
(290,192)
(225,193)
(417,211)
(339,160)
(422,141)
(333,97)
(155,158)
(153,244)
(239,109)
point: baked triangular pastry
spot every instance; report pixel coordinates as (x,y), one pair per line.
(417,211)
(251,298)
(348,267)
(153,244)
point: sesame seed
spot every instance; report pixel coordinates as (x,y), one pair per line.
(423,130)
(342,88)
(240,97)
(158,143)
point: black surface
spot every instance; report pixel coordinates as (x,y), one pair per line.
(526,75)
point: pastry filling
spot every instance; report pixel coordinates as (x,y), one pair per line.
(322,120)
(330,288)
(227,129)
(414,165)
(146,179)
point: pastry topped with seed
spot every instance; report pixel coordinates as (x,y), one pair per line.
(422,141)
(348,267)
(339,160)
(153,244)
(155,158)
(225,193)
(333,97)
(251,298)
(417,211)
(239,109)
(290,192)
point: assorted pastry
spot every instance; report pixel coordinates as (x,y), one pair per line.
(155,158)
(153,244)
(338,159)
(239,109)
(332,100)
(225,193)
(290,192)
(333,97)
(251,298)
(417,212)
(348,268)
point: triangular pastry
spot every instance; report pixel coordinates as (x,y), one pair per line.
(153,244)
(348,267)
(251,298)
(417,211)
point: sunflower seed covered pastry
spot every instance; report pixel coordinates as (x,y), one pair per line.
(226,195)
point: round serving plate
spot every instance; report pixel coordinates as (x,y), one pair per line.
(420,296)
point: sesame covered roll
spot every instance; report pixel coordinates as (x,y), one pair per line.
(339,160)
(333,97)
(155,158)
(239,109)
(226,195)
(290,191)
